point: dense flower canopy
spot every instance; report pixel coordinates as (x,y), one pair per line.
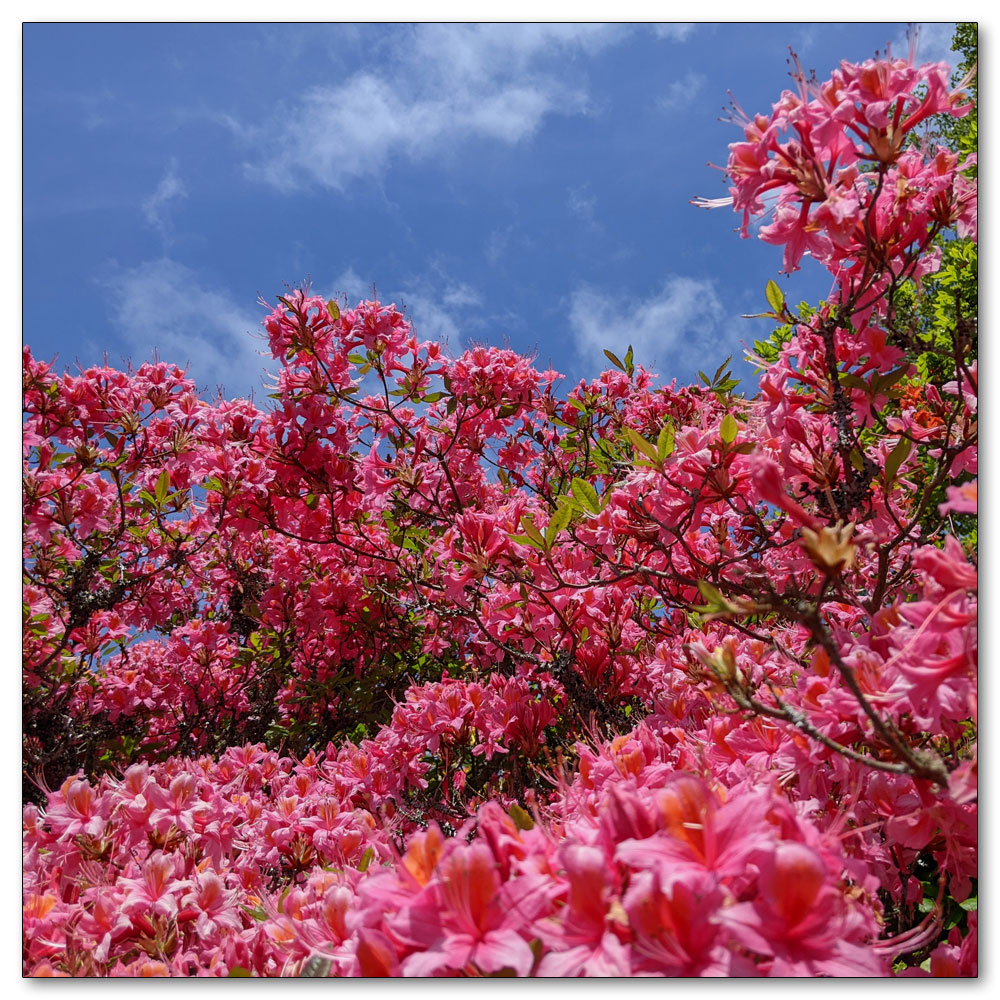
(424,668)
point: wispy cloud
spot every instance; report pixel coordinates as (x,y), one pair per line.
(934,43)
(675,31)
(439,308)
(671,332)
(497,243)
(804,37)
(161,307)
(930,41)
(155,207)
(680,94)
(453,83)
(582,203)
(461,296)
(448,315)
(431,321)
(350,284)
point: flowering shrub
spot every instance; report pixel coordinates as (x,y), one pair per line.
(426,669)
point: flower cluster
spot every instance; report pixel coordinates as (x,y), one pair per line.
(834,166)
(426,669)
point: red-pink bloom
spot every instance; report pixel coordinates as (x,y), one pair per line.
(800,919)
(215,906)
(156,889)
(464,918)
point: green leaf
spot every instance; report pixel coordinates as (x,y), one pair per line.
(853,381)
(883,382)
(629,366)
(366,859)
(528,524)
(521,817)
(729,429)
(239,972)
(897,456)
(525,540)
(587,495)
(333,309)
(116,462)
(714,600)
(715,604)
(316,967)
(721,368)
(665,442)
(775,297)
(162,486)
(614,359)
(433,397)
(557,522)
(641,444)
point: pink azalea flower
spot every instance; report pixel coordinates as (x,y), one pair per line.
(464,918)
(156,890)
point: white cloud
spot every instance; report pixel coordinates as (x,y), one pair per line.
(160,306)
(675,31)
(582,204)
(457,296)
(431,321)
(934,43)
(154,208)
(930,41)
(439,308)
(350,284)
(453,83)
(676,328)
(497,243)
(681,93)
(443,316)
(805,37)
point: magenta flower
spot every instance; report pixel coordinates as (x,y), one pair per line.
(465,918)
(800,920)
(156,890)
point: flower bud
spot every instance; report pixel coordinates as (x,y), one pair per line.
(830,548)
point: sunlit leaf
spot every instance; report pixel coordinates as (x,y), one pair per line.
(896,457)
(641,444)
(775,297)
(729,429)
(665,442)
(587,495)
(614,359)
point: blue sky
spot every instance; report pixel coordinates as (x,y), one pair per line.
(523,185)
